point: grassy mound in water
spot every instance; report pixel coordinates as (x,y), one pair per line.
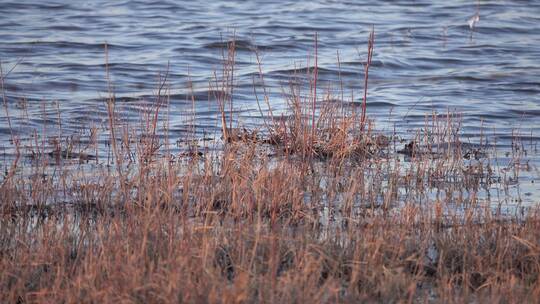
(318,207)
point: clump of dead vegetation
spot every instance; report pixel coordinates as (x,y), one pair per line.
(318,207)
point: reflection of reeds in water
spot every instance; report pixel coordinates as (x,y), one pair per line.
(316,208)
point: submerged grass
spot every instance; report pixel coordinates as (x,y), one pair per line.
(319,207)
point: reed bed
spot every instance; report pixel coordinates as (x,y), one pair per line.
(317,207)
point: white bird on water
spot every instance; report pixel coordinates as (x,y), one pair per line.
(473,21)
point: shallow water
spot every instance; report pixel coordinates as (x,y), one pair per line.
(427,58)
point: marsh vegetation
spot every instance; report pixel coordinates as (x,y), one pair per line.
(317,205)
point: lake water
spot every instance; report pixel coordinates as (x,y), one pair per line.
(429,56)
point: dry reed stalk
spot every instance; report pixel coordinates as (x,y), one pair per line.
(314,102)
(112,115)
(371,43)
